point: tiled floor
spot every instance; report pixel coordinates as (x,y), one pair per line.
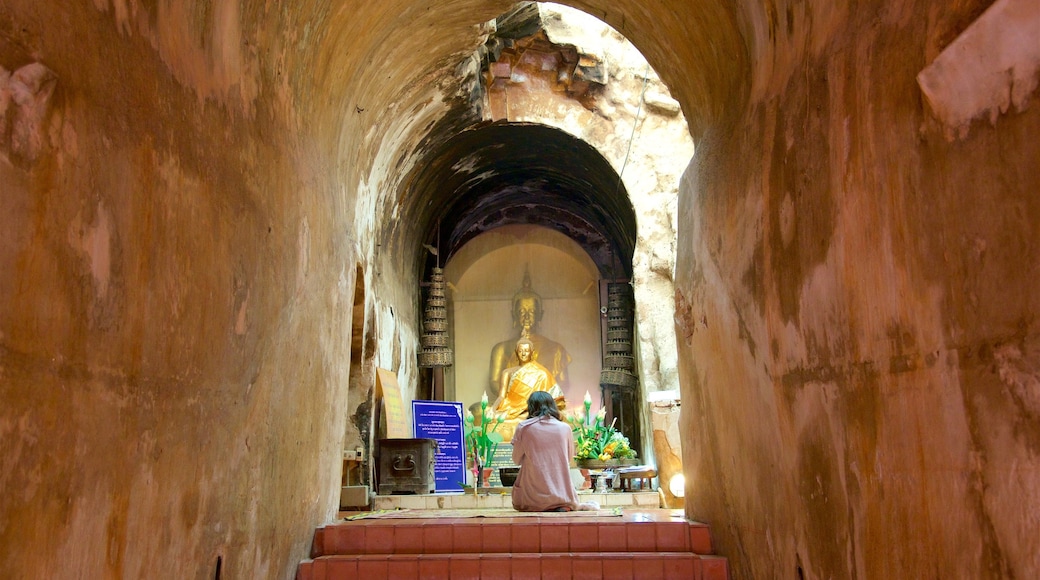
(646,499)
(634,514)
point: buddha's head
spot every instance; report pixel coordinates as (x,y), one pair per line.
(527,306)
(524,350)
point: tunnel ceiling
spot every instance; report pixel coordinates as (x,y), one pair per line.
(502,174)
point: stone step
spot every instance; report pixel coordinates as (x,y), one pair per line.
(640,543)
(520,535)
(491,566)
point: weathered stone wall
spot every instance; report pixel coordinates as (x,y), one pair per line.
(856,306)
(174,299)
(188,190)
(636,125)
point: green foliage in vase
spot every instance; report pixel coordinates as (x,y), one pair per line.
(594,439)
(482,440)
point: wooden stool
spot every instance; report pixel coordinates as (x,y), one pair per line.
(642,478)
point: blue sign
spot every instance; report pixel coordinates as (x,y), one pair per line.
(442,421)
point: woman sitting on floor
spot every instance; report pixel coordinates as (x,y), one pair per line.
(543,447)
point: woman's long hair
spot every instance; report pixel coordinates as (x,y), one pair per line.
(541,403)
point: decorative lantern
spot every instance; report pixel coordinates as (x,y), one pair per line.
(434,351)
(618,363)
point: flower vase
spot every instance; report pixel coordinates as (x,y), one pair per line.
(597,463)
(481,477)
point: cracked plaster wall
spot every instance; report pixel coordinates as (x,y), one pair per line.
(187,192)
(647,143)
(856,304)
(168,375)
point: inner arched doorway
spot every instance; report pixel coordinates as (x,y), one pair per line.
(523,205)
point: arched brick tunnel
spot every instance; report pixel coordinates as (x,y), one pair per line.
(190,190)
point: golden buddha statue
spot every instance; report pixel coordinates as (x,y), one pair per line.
(527,312)
(515,386)
(517,383)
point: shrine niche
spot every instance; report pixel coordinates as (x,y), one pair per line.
(522,282)
(527,311)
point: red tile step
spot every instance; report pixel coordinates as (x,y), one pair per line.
(627,566)
(514,535)
(644,544)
